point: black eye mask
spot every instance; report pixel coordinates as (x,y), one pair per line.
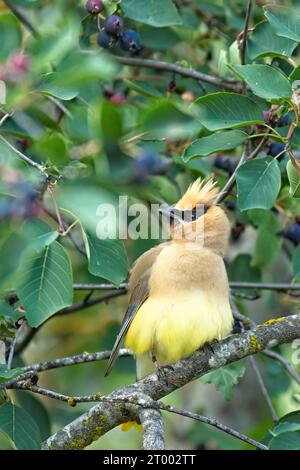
(188,215)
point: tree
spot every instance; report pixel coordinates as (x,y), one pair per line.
(109,99)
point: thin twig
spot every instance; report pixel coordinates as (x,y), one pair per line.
(231,182)
(73,360)
(21,17)
(13,345)
(213,422)
(59,105)
(97,300)
(23,157)
(234,285)
(227,84)
(102,286)
(72,401)
(243,45)
(263,388)
(290,369)
(265,286)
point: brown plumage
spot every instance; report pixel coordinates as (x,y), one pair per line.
(179,296)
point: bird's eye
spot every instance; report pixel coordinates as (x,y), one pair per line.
(194,214)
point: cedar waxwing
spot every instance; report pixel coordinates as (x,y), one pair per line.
(179,294)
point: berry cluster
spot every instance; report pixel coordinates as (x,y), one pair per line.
(113,31)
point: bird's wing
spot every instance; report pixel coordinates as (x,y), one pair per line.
(139,288)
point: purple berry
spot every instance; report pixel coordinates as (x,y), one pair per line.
(114,25)
(267,116)
(131,40)
(94,6)
(104,40)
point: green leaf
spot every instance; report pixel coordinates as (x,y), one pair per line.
(286,441)
(80,67)
(266,249)
(143,88)
(158,38)
(294,180)
(53,84)
(259,77)
(19,426)
(54,47)
(264,42)
(37,411)
(285,427)
(107,258)
(8,374)
(296,262)
(265,219)
(53,147)
(10,34)
(153,12)
(226,377)
(164,119)
(224,110)
(284,21)
(258,183)
(45,283)
(223,140)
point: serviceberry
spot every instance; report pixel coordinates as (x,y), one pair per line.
(114,25)
(283,121)
(275,149)
(130,40)
(293,233)
(94,6)
(105,40)
(223,163)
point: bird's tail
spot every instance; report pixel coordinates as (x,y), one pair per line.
(144,366)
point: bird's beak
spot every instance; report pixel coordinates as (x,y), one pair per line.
(171,212)
(166,210)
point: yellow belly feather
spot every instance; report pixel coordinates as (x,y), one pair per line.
(172,329)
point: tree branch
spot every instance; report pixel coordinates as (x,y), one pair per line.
(243,45)
(215,423)
(227,84)
(103,417)
(153,429)
(263,388)
(73,360)
(23,157)
(234,285)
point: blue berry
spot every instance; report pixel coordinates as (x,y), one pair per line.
(283,121)
(275,149)
(293,233)
(104,40)
(114,25)
(223,163)
(94,6)
(131,40)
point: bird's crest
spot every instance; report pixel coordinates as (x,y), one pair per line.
(198,193)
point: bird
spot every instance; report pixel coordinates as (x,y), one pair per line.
(179,291)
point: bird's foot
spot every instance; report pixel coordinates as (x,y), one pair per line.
(210,346)
(161,371)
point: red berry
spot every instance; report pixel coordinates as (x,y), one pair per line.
(118,99)
(19,63)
